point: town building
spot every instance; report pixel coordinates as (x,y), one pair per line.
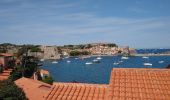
(6,60)
(44,73)
(50,52)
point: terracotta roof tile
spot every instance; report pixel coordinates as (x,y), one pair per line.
(6,54)
(5,74)
(76,91)
(34,90)
(133,84)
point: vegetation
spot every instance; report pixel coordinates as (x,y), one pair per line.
(9,91)
(35,49)
(111,45)
(48,79)
(78,53)
(28,67)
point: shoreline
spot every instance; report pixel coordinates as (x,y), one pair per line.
(122,55)
(151,55)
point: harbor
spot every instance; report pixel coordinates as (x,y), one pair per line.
(87,71)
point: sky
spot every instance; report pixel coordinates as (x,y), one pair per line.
(134,23)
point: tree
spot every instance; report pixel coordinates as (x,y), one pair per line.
(35,49)
(10,91)
(75,53)
(48,79)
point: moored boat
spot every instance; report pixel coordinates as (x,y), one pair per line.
(147,64)
(145,57)
(54,62)
(89,63)
(161,62)
(99,58)
(68,61)
(96,61)
(125,58)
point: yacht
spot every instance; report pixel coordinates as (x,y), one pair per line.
(99,58)
(66,57)
(147,64)
(89,63)
(125,58)
(144,57)
(41,59)
(54,62)
(120,61)
(115,63)
(68,61)
(96,61)
(161,62)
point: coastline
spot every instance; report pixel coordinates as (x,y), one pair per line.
(122,55)
(151,55)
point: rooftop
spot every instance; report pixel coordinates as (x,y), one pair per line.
(34,90)
(6,54)
(140,84)
(5,74)
(77,91)
(125,83)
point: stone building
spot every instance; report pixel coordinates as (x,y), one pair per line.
(50,52)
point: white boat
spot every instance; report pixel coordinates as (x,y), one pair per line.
(115,63)
(89,63)
(96,61)
(125,58)
(54,62)
(76,58)
(68,61)
(120,61)
(99,58)
(66,57)
(147,64)
(161,62)
(144,57)
(41,59)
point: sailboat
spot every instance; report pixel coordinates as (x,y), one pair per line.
(147,64)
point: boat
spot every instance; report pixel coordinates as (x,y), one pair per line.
(144,57)
(66,57)
(96,61)
(76,58)
(161,62)
(68,61)
(147,64)
(125,58)
(89,63)
(54,62)
(115,63)
(41,59)
(99,58)
(120,61)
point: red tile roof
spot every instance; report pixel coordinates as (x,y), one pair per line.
(6,54)
(125,84)
(139,84)
(5,74)
(34,90)
(77,91)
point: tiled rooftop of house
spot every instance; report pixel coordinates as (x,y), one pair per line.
(77,91)
(34,90)
(125,84)
(5,74)
(6,54)
(139,84)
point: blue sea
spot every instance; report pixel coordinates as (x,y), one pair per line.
(99,73)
